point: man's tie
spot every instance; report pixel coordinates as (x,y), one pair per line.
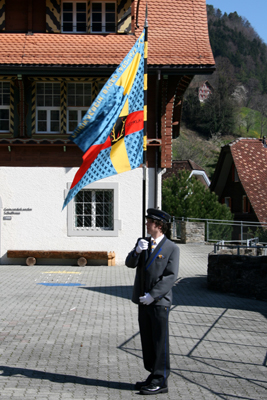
(153,245)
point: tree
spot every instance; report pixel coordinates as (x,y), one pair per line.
(219,111)
(184,197)
(191,109)
(260,104)
(249,120)
(189,198)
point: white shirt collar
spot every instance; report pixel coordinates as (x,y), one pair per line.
(158,240)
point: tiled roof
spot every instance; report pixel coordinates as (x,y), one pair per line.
(177,36)
(177,32)
(250,158)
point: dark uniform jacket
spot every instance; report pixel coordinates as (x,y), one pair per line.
(161,271)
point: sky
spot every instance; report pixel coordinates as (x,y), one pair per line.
(255,11)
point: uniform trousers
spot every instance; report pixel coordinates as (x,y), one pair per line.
(154,331)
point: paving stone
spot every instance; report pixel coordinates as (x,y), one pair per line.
(82,342)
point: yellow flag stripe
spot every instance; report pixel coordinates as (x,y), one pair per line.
(145,49)
(145,143)
(145,81)
(125,110)
(145,113)
(119,157)
(126,80)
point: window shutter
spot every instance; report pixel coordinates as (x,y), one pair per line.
(2,15)
(53,8)
(124,16)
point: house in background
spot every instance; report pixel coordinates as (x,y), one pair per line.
(55,56)
(202,88)
(240,179)
(188,165)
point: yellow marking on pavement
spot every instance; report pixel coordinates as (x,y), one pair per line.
(61,272)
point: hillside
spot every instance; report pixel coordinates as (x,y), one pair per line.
(233,39)
(238,104)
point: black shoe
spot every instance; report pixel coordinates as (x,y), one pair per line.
(153,389)
(139,385)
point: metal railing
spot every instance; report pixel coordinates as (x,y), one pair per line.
(226,230)
(251,244)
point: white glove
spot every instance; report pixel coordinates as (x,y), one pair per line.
(142,245)
(146,299)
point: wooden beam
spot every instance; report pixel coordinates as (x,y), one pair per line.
(91,255)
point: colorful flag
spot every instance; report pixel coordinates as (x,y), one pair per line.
(111,132)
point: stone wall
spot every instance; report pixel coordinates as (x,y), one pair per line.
(192,232)
(245,275)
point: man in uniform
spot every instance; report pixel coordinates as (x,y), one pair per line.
(157,262)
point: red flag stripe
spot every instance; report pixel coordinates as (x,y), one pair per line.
(134,123)
(88,159)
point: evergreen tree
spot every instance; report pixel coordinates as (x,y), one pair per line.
(189,198)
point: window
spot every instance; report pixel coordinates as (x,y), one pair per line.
(47,107)
(74,16)
(103,17)
(100,86)
(235,176)
(4,106)
(94,211)
(79,100)
(228,202)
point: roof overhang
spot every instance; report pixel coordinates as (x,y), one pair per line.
(100,70)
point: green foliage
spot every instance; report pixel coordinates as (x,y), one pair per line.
(232,37)
(240,80)
(245,116)
(216,114)
(190,146)
(189,198)
(183,197)
(260,233)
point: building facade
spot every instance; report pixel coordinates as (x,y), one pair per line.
(55,56)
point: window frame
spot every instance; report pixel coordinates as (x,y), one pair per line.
(228,202)
(48,110)
(79,109)
(95,232)
(5,106)
(103,19)
(74,12)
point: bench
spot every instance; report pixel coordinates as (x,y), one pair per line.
(81,256)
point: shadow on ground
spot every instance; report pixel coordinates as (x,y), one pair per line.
(193,291)
(60,378)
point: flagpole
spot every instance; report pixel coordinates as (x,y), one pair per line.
(145,125)
(143,254)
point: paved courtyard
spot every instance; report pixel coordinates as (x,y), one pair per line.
(69,332)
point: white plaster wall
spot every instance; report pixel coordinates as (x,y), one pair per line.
(45,226)
(0,225)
